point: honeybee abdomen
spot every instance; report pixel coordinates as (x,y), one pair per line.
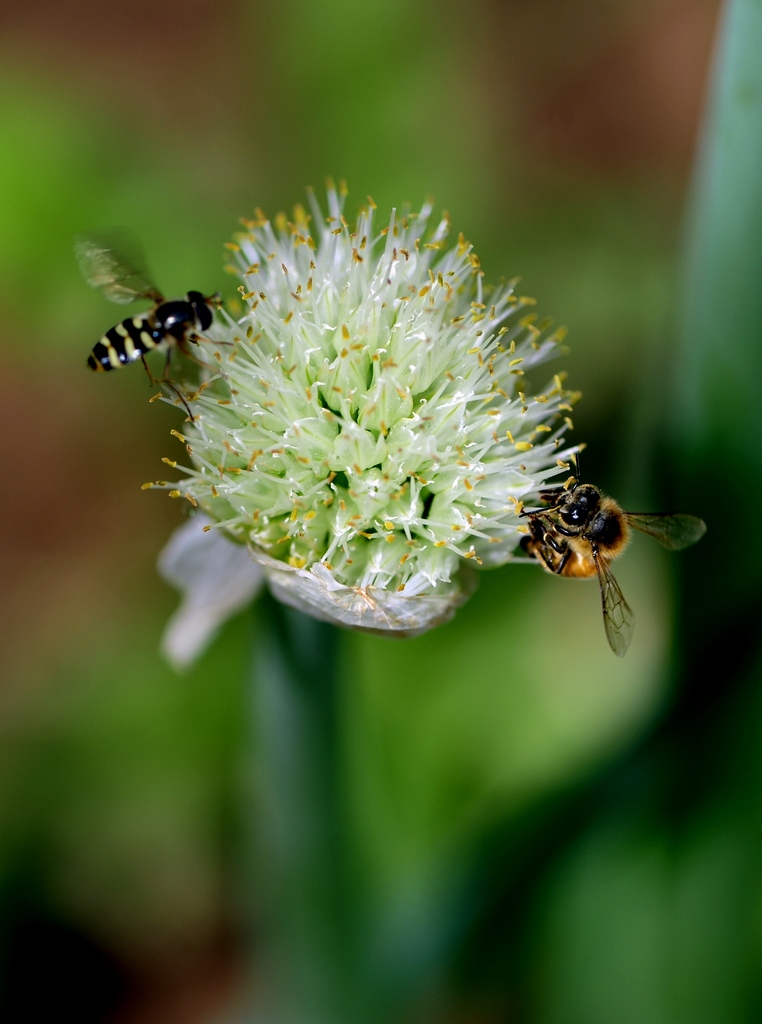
(580,564)
(123,344)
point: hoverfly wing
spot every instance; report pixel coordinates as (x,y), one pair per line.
(113,262)
(674,530)
(618,617)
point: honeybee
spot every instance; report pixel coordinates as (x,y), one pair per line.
(581,531)
(115,265)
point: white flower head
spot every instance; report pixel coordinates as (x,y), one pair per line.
(367,430)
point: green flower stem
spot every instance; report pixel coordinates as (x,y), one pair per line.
(301,828)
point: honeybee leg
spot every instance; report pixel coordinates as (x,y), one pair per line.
(538,525)
(552,546)
(563,530)
(558,568)
(533,544)
(552,555)
(543,544)
(558,546)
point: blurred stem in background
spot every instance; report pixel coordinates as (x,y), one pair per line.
(329,952)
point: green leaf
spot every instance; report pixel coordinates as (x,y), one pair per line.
(718,409)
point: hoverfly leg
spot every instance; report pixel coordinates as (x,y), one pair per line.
(173,387)
(200,337)
(195,339)
(165,380)
(151,379)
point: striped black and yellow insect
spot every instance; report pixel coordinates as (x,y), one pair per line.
(114,264)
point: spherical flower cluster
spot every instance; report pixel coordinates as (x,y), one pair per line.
(368,428)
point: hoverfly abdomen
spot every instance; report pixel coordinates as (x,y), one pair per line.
(124,343)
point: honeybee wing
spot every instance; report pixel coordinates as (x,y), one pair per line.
(674,530)
(114,263)
(618,617)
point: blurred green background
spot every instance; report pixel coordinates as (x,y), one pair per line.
(541,834)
